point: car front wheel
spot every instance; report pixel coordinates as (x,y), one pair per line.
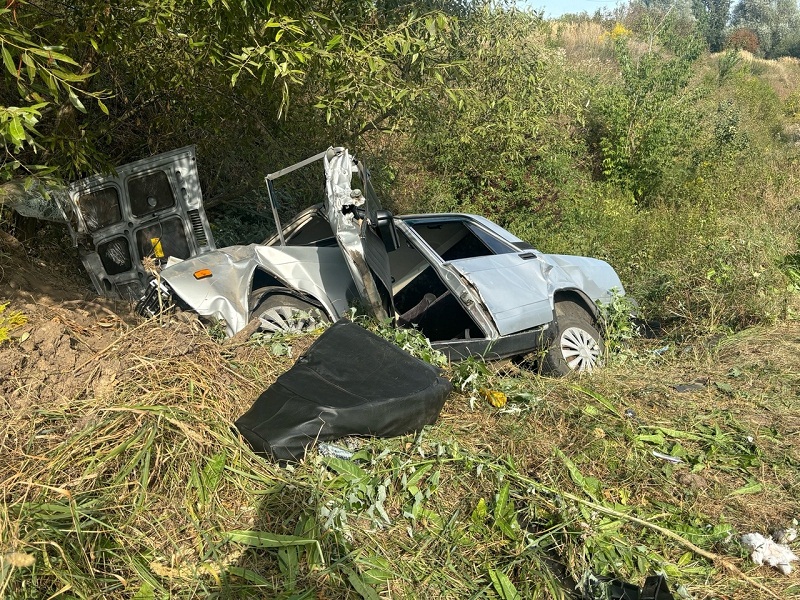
(282,313)
(576,345)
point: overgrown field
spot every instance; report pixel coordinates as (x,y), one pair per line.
(123,477)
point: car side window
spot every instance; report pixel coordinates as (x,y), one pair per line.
(454,239)
(496,245)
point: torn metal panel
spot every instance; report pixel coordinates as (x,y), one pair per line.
(152,208)
(512,288)
(319,273)
(596,278)
(348,213)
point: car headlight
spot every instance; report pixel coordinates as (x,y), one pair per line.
(157,300)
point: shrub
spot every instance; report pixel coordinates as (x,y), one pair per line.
(743,39)
(641,127)
(789,46)
(504,145)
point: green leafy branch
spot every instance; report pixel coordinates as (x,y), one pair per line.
(43,73)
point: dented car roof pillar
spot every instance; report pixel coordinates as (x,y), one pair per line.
(353,233)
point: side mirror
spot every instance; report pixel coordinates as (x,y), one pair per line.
(387,231)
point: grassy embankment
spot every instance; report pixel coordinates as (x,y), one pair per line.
(146,492)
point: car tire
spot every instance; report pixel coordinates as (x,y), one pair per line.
(576,345)
(282,313)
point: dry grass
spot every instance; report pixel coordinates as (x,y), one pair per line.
(140,491)
(782,74)
(586,45)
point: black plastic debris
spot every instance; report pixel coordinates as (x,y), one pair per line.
(656,588)
(604,588)
(697,385)
(624,591)
(349,382)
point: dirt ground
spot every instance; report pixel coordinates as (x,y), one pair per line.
(76,344)
(67,327)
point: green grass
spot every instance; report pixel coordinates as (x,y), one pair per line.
(147,493)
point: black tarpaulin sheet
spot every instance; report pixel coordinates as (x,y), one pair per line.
(349,382)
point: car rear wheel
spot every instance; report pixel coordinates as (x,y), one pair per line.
(282,313)
(576,345)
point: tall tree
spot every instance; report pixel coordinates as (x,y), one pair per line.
(772,20)
(712,18)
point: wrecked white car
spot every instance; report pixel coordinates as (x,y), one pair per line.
(467,284)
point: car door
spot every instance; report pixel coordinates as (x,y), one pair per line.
(149,208)
(353,216)
(510,282)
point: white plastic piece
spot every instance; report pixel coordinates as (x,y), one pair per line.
(766,551)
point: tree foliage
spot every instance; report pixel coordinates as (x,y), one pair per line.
(743,39)
(502,133)
(712,18)
(89,82)
(41,81)
(773,21)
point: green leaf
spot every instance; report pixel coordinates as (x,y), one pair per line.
(609,406)
(589,485)
(9,62)
(288,563)
(418,474)
(480,513)
(677,433)
(656,439)
(504,515)
(76,102)
(375,570)
(16,131)
(347,468)
(145,592)
(212,473)
(102,106)
(591,410)
(333,42)
(67,76)
(30,66)
(247,575)
(50,55)
(503,586)
(725,388)
(752,487)
(365,591)
(264,539)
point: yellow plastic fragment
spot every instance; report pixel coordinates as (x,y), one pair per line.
(494,397)
(158,251)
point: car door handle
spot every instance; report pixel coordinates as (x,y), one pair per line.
(527,255)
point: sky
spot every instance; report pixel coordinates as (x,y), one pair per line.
(556,8)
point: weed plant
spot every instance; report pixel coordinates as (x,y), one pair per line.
(9,320)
